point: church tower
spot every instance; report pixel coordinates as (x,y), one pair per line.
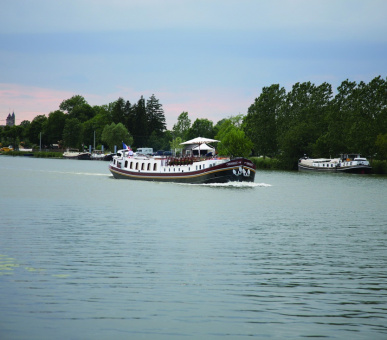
(11,119)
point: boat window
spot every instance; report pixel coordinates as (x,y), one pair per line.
(131,165)
(136,165)
(148,168)
(126,164)
(155,167)
(142,166)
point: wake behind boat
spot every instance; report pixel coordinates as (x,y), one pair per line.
(188,169)
(352,163)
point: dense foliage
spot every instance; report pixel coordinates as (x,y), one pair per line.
(279,126)
(310,120)
(77,125)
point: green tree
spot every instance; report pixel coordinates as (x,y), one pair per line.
(68,105)
(82,112)
(25,125)
(260,124)
(381,147)
(201,128)
(119,112)
(140,126)
(36,128)
(233,140)
(155,115)
(339,118)
(73,133)
(175,145)
(94,126)
(53,126)
(115,134)
(129,116)
(181,128)
(302,121)
(12,135)
(369,116)
(155,141)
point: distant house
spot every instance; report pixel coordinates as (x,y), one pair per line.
(11,119)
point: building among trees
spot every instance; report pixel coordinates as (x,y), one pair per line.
(11,119)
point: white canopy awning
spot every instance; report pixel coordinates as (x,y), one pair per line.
(203,147)
(200,140)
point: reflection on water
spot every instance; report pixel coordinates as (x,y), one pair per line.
(85,256)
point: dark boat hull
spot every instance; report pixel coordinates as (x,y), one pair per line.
(83,156)
(237,170)
(361,169)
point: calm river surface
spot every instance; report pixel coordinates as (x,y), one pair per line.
(293,255)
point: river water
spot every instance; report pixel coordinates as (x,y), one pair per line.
(293,255)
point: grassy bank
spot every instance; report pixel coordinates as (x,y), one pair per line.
(266,163)
(37,154)
(379,167)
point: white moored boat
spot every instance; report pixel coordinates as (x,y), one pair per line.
(193,170)
(76,154)
(353,163)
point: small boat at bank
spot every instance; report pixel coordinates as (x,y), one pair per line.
(352,163)
(76,154)
(99,155)
(188,169)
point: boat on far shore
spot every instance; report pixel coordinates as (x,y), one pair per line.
(99,155)
(352,163)
(76,154)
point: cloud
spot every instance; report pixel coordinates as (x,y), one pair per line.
(321,19)
(214,104)
(209,58)
(28,102)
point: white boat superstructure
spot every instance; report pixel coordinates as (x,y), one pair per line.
(346,163)
(184,169)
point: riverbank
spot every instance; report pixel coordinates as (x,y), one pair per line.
(378,167)
(37,154)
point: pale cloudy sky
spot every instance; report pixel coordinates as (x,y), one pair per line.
(210,58)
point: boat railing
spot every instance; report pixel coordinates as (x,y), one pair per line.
(189,160)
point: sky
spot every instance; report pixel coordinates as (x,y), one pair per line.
(210,58)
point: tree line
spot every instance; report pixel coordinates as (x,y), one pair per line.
(76,124)
(308,119)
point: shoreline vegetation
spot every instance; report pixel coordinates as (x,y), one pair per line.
(379,167)
(278,128)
